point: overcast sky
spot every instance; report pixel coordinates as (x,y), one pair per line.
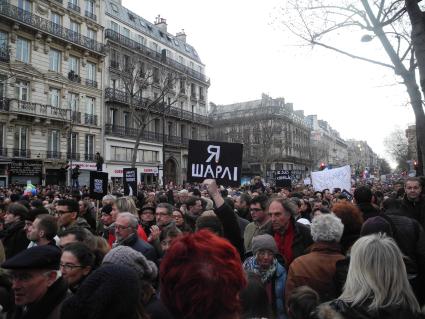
(247,53)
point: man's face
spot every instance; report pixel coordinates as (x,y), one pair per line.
(257,213)
(123,228)
(197,208)
(81,207)
(162,216)
(30,286)
(328,195)
(68,239)
(65,217)
(279,217)
(240,204)
(106,219)
(413,189)
(10,218)
(28,227)
(33,232)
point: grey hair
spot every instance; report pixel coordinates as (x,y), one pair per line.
(169,207)
(132,219)
(289,207)
(109,198)
(326,227)
(377,273)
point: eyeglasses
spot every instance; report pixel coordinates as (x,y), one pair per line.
(69,267)
(161,214)
(255,209)
(121,227)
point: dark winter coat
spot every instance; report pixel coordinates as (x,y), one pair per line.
(14,239)
(141,246)
(368,210)
(338,309)
(414,209)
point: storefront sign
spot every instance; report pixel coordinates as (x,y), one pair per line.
(88,166)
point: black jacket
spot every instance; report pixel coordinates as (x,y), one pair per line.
(141,246)
(368,210)
(14,239)
(414,209)
(231,228)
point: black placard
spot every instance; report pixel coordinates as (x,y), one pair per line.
(283,178)
(218,160)
(21,167)
(98,184)
(130,181)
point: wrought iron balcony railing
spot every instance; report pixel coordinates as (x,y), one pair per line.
(74,77)
(4,54)
(91,83)
(37,109)
(90,15)
(127,42)
(90,119)
(74,7)
(27,18)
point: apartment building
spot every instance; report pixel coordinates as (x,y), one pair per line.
(51,62)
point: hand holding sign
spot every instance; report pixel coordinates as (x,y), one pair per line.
(212,189)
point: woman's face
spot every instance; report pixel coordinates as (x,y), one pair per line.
(71,268)
(177,215)
(264,258)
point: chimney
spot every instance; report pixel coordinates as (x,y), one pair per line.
(181,36)
(161,23)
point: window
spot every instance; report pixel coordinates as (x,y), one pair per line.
(74,2)
(114,7)
(90,7)
(22,50)
(191,65)
(115,26)
(141,39)
(73,106)
(73,146)
(91,34)
(24,5)
(121,153)
(54,97)
(126,119)
(148,156)
(170,128)
(193,90)
(155,75)
(113,117)
(183,131)
(54,60)
(56,18)
(89,147)
(126,32)
(53,144)
(74,64)
(75,27)
(181,60)
(91,71)
(2,150)
(194,133)
(90,105)
(22,90)
(156,125)
(201,93)
(2,88)
(155,46)
(20,141)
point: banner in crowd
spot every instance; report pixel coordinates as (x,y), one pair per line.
(130,181)
(98,184)
(283,178)
(218,160)
(332,178)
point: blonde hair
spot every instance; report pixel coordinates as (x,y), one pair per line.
(127,204)
(377,273)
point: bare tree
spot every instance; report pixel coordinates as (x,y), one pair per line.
(150,93)
(397,147)
(384,167)
(397,24)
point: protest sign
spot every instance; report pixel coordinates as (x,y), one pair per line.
(98,184)
(283,178)
(218,160)
(332,178)
(130,181)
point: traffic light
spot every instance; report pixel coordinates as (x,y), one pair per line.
(322,166)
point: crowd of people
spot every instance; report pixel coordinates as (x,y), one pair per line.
(206,251)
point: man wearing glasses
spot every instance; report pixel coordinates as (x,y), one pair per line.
(67,211)
(260,221)
(38,288)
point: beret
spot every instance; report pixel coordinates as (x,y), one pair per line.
(38,257)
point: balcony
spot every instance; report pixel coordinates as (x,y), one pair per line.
(4,54)
(73,156)
(4,104)
(17,152)
(37,109)
(129,43)
(114,95)
(74,7)
(73,77)
(90,119)
(33,21)
(89,157)
(91,83)
(114,65)
(90,15)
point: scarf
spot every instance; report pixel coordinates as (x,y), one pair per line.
(266,275)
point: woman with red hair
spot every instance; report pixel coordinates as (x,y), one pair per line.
(201,277)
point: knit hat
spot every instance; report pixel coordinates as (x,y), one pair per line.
(376,225)
(110,292)
(127,256)
(261,242)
